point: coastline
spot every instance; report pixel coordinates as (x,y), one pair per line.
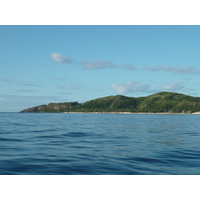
(159,103)
(164,113)
(196,113)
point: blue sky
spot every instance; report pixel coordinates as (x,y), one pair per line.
(43,64)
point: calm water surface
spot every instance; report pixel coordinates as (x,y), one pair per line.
(137,144)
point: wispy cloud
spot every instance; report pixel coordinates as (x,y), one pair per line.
(131,87)
(60,59)
(30,84)
(129,67)
(6,80)
(43,66)
(98,64)
(151,69)
(61,87)
(26,90)
(74,87)
(19,83)
(64,93)
(60,79)
(178,70)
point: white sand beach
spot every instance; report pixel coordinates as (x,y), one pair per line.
(196,113)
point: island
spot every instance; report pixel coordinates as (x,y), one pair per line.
(162,102)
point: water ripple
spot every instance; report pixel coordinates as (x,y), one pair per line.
(99,144)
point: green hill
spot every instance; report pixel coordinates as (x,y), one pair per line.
(157,103)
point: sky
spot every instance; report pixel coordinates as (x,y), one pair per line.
(45,64)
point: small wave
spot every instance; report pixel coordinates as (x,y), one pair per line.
(191,133)
(71,144)
(10,139)
(75,134)
(50,136)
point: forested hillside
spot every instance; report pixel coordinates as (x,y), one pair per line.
(157,103)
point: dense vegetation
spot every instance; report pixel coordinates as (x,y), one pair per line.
(157,103)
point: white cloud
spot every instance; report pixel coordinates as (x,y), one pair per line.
(98,64)
(173,86)
(131,87)
(138,87)
(60,59)
(180,70)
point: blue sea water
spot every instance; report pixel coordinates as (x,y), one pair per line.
(94,144)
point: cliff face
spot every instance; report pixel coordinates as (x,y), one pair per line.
(34,109)
(53,108)
(157,103)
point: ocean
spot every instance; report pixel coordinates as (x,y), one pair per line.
(99,144)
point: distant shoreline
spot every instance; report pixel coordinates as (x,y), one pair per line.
(159,103)
(164,113)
